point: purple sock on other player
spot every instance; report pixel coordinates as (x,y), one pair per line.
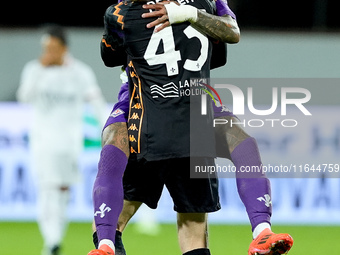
(108,194)
(253,188)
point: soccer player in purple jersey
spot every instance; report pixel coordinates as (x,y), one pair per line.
(241,149)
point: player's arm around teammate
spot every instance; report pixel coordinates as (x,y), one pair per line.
(223,27)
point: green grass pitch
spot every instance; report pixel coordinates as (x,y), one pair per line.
(24,239)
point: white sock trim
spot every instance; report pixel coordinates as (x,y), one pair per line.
(259,228)
(109,243)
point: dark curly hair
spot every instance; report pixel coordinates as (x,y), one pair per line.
(57,32)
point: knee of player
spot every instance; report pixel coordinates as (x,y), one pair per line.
(191,218)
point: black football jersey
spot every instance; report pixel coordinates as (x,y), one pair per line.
(165,71)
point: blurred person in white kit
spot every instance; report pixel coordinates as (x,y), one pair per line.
(57,86)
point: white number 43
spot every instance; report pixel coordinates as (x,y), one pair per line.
(170,57)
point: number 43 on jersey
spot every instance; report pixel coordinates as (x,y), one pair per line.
(171,56)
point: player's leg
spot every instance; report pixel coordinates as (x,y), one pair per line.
(142,183)
(192,233)
(129,209)
(138,186)
(253,188)
(55,173)
(52,221)
(193,199)
(119,247)
(108,192)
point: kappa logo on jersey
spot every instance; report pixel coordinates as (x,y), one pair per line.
(137,106)
(133,127)
(102,209)
(117,113)
(266,199)
(135,116)
(132,138)
(136,111)
(167,90)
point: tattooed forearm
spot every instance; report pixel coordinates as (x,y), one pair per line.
(223,28)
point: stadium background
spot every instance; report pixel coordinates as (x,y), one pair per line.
(279,40)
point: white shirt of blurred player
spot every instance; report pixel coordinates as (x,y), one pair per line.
(57,95)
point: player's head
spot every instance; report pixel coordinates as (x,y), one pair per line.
(54,43)
(58,33)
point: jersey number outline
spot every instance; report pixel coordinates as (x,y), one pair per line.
(170,57)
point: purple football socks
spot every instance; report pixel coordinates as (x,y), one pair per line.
(253,187)
(108,194)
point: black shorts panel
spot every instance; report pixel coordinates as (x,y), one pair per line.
(144,182)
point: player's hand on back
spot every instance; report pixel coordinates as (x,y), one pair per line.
(169,12)
(158,10)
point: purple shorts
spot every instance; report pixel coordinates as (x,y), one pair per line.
(120,111)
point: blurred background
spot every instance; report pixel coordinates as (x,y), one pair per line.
(284,40)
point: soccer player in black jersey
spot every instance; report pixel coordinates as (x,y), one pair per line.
(243,139)
(159,127)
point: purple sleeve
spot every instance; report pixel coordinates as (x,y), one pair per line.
(124,89)
(223,8)
(123,92)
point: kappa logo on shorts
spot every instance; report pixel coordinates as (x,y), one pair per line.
(117,113)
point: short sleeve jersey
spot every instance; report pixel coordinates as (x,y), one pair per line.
(165,97)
